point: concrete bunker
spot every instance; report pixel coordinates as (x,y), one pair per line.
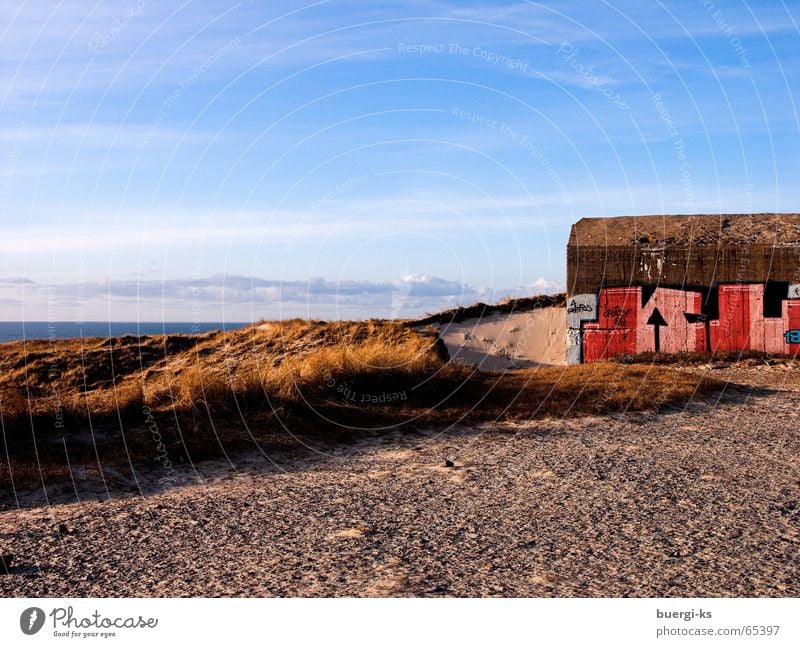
(695,283)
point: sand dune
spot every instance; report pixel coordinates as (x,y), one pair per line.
(501,341)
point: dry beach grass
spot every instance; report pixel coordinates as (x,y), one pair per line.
(95,401)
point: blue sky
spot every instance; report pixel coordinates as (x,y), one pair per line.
(238,161)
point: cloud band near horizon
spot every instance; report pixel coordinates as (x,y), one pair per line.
(230,297)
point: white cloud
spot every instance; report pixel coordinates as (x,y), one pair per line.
(235,297)
(15,280)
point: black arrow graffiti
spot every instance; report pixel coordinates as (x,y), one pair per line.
(657,320)
(698,317)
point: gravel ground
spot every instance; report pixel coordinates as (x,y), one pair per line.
(699,502)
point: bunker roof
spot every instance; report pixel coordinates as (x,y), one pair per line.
(766,229)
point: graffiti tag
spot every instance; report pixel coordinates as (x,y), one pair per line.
(578,307)
(792,336)
(619,315)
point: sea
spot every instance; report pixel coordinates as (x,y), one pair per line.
(16,330)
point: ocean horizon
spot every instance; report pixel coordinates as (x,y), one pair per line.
(19,330)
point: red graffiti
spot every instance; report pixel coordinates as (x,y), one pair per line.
(614,332)
(672,321)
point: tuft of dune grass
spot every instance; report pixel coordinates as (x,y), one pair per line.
(13,404)
(370,359)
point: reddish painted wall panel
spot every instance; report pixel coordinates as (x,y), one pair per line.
(732,330)
(602,344)
(622,323)
(614,332)
(678,335)
(595,344)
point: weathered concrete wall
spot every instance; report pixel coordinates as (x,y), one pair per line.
(590,268)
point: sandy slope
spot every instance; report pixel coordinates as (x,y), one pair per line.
(699,502)
(518,340)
